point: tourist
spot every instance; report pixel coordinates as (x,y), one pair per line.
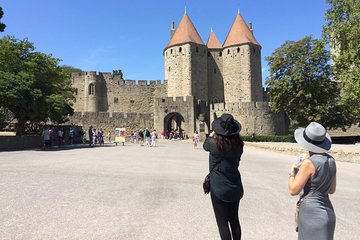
(153,138)
(225,147)
(90,136)
(60,134)
(71,135)
(109,137)
(316,176)
(47,136)
(141,137)
(195,139)
(147,137)
(100,136)
(94,136)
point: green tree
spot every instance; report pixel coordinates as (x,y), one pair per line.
(68,70)
(299,83)
(33,87)
(2,25)
(342,33)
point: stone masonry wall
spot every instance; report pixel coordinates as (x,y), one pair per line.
(216,81)
(199,72)
(109,121)
(255,117)
(236,73)
(256,74)
(113,94)
(177,61)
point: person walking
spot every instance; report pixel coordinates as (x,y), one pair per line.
(47,137)
(316,176)
(109,137)
(225,148)
(147,137)
(90,132)
(196,138)
(153,138)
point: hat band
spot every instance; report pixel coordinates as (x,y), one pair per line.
(312,141)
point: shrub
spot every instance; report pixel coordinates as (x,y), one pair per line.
(287,138)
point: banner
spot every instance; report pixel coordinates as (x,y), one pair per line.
(120,135)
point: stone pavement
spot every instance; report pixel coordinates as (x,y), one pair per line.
(133,193)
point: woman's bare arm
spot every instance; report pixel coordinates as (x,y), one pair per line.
(297,182)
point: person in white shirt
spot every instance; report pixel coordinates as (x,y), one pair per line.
(153,138)
(196,138)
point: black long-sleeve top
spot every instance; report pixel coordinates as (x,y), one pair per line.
(225,178)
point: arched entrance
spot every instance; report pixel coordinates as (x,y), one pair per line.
(173,121)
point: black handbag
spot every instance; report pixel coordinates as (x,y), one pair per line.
(206,184)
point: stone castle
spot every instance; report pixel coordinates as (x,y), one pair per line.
(202,81)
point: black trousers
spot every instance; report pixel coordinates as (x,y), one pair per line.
(226,213)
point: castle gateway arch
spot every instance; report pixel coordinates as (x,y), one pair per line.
(172,121)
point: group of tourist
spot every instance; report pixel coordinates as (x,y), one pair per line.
(174,134)
(314,175)
(61,135)
(148,137)
(97,136)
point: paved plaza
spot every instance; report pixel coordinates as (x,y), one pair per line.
(132,192)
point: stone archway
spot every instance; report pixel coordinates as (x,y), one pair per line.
(173,121)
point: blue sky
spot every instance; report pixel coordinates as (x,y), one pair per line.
(131,35)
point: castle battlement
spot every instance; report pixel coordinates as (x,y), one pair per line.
(108,115)
(175,100)
(241,106)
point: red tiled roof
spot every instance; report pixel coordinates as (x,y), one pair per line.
(213,41)
(185,32)
(239,33)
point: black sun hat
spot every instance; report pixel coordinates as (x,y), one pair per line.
(226,125)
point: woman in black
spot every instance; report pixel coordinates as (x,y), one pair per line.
(225,147)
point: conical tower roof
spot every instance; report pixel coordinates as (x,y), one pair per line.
(185,32)
(213,41)
(239,33)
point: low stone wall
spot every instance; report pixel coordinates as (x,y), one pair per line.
(11,143)
(342,155)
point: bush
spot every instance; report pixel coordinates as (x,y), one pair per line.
(287,138)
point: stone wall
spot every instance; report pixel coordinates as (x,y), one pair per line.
(242,73)
(216,81)
(12,143)
(113,94)
(186,71)
(109,121)
(199,72)
(177,62)
(255,117)
(189,108)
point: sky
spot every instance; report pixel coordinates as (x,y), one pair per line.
(109,35)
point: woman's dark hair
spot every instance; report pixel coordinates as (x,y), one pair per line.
(233,142)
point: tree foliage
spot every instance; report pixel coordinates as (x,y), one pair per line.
(2,25)
(68,70)
(342,32)
(33,87)
(299,83)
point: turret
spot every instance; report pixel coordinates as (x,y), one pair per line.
(186,62)
(241,64)
(90,93)
(215,78)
